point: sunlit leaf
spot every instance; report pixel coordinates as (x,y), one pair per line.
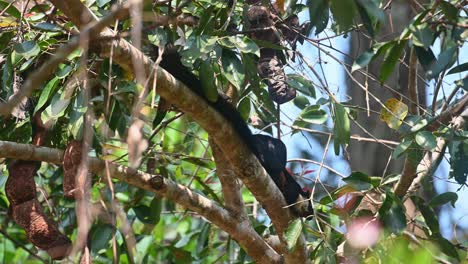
(395,114)
(426,140)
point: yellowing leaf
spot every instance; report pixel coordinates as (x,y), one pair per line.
(395,114)
(8,22)
(280,5)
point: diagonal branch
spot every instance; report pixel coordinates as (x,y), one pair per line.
(229,183)
(250,240)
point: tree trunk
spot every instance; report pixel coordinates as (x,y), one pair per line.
(369,157)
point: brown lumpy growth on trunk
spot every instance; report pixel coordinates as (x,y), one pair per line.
(20,186)
(71,162)
(40,230)
(270,68)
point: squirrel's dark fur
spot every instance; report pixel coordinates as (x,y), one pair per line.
(270,151)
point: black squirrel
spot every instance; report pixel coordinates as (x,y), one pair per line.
(270,151)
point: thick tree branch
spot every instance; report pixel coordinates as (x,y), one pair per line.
(252,243)
(229,184)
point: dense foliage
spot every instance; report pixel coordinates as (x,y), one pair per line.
(91,96)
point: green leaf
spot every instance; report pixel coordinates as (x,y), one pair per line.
(319,14)
(313,115)
(12,10)
(446,246)
(423,36)
(459,68)
(391,60)
(402,148)
(366,19)
(46,26)
(101,236)
(444,198)
(292,233)
(301,102)
(207,78)
(155,210)
(203,237)
(244,44)
(46,92)
(445,59)
(244,107)
(341,129)
(343,12)
(449,10)
(373,11)
(64,71)
(233,69)
(301,84)
(363,60)
(359,180)
(428,213)
(27,49)
(392,213)
(426,140)
(458,160)
(426,57)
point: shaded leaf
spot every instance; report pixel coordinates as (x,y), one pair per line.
(233,69)
(459,68)
(443,198)
(341,128)
(363,60)
(359,180)
(343,12)
(319,14)
(391,60)
(392,213)
(27,49)
(207,79)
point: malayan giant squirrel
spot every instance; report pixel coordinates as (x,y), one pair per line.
(270,151)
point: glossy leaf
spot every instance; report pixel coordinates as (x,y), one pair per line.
(292,233)
(301,84)
(426,140)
